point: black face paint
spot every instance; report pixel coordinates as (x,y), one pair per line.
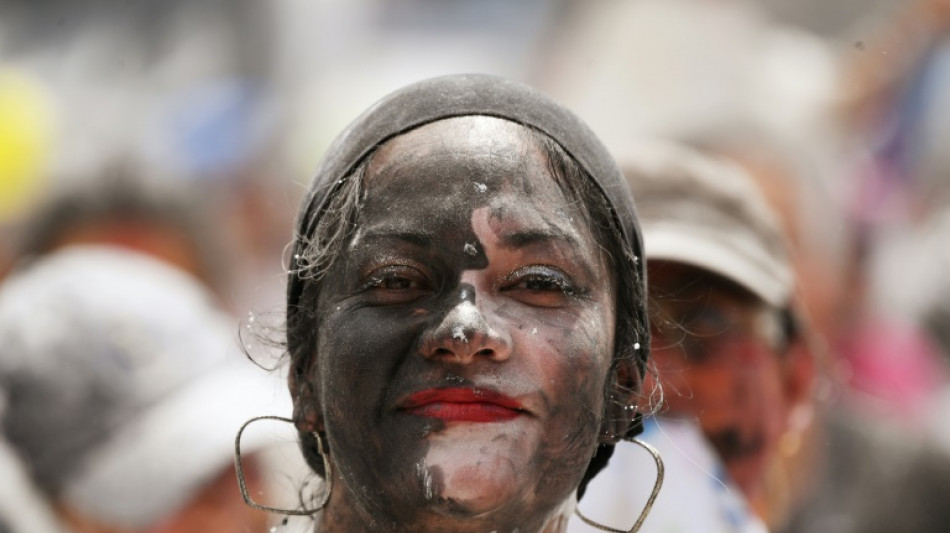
(464,338)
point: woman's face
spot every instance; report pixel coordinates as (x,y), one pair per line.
(464,339)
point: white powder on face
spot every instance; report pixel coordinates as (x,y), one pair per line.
(426,477)
(466,318)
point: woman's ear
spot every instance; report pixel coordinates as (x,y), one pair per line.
(307,416)
(624,403)
(306,401)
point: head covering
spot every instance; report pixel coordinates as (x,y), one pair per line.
(455,96)
(124,385)
(709,214)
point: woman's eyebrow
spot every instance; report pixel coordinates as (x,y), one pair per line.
(417,238)
(524,238)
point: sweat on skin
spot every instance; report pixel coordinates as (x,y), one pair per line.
(470,272)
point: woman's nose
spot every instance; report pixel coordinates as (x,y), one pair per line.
(465,335)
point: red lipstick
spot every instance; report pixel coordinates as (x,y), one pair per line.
(462,405)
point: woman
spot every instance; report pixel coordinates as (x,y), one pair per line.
(465,312)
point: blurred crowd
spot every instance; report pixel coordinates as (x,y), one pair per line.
(153,154)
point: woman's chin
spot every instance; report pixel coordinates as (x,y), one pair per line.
(473,490)
(475,475)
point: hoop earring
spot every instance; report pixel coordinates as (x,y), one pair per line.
(660,471)
(242,482)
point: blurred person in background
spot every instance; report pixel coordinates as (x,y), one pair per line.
(124,387)
(729,356)
(852,469)
(121,206)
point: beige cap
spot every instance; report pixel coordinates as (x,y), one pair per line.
(705,212)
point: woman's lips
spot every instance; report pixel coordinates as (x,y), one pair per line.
(462,405)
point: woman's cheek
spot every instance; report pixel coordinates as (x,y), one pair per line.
(358,352)
(574,363)
(361,354)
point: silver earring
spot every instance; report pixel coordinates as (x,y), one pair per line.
(242,482)
(649,505)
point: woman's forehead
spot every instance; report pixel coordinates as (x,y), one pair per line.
(432,180)
(453,166)
(479,142)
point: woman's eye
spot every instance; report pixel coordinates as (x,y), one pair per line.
(538,283)
(396,284)
(540,286)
